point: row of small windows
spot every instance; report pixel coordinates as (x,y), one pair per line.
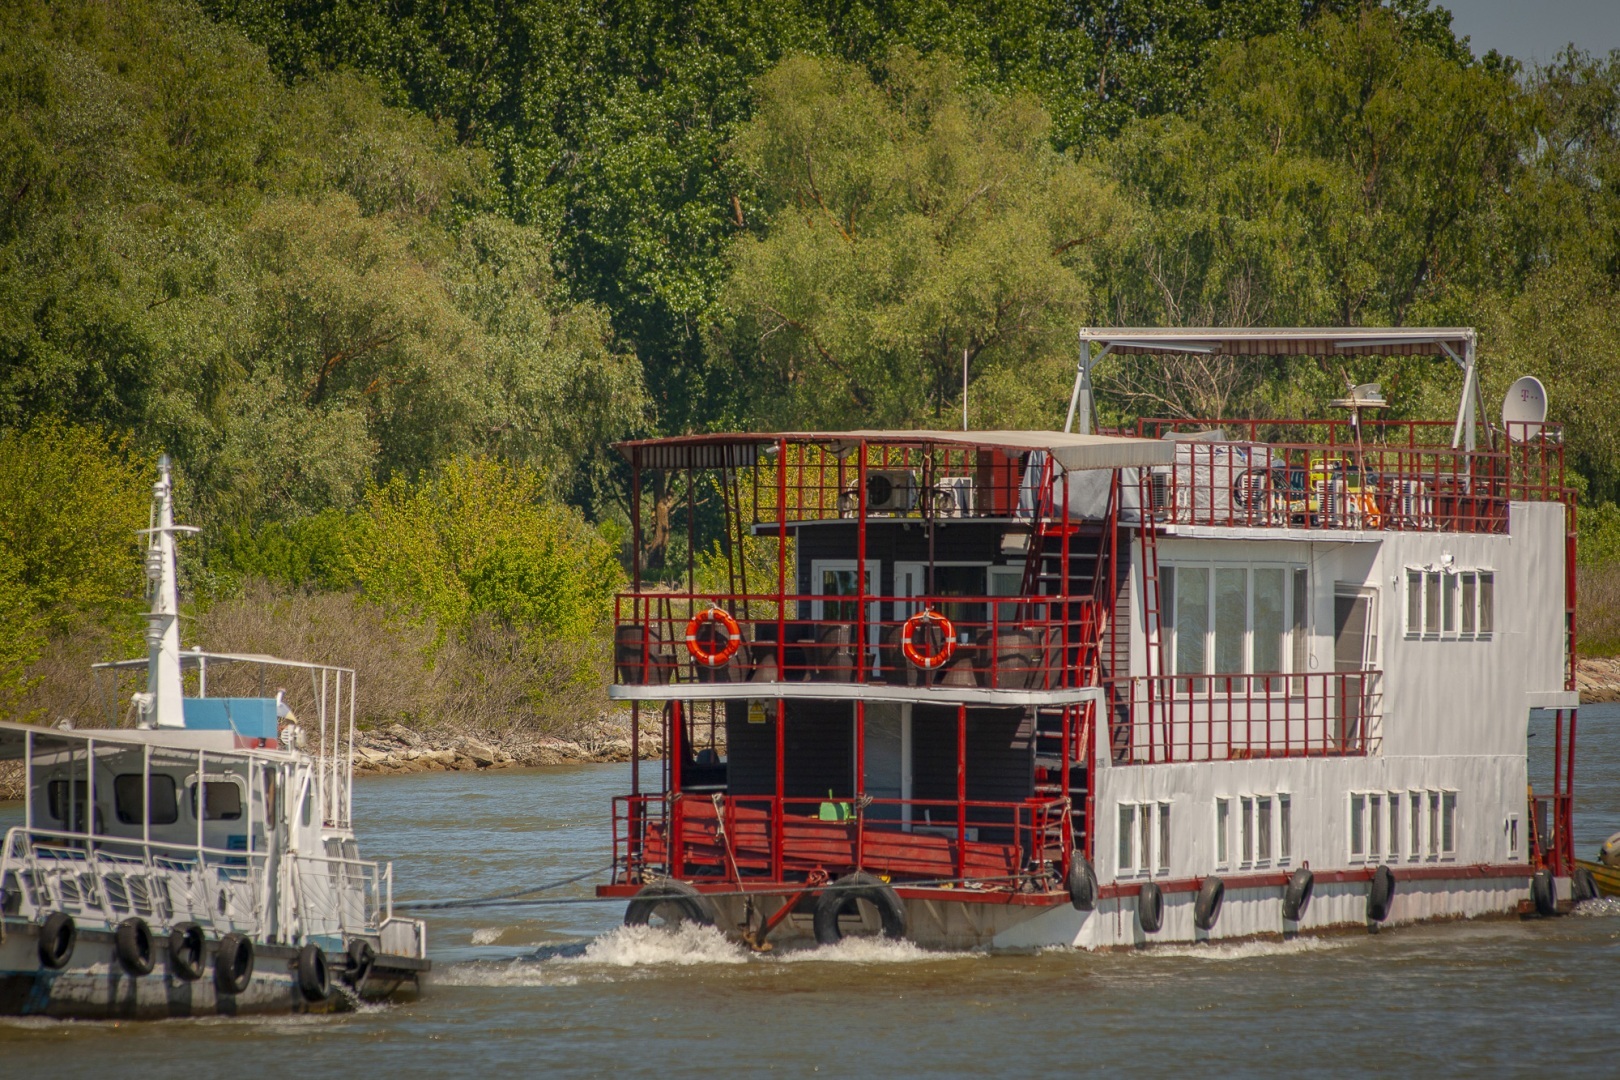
(1253,831)
(1235,619)
(1389,825)
(222,801)
(1144,838)
(1453,603)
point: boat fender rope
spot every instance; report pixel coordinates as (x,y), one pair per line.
(714,657)
(499,898)
(1207,909)
(841,898)
(909,636)
(57,936)
(133,944)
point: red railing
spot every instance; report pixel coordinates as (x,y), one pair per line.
(1176,718)
(1000,642)
(1389,479)
(701,837)
(821,480)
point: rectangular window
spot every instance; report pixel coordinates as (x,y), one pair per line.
(1231,618)
(1301,601)
(1144,850)
(222,801)
(1448,605)
(1448,823)
(1127,835)
(1431,602)
(1434,823)
(1164,838)
(1394,825)
(1285,828)
(1375,825)
(1192,619)
(1470,594)
(164,805)
(1513,836)
(1246,827)
(1262,830)
(1487,602)
(1414,602)
(1414,847)
(1270,619)
(62,794)
(1358,811)
(1223,832)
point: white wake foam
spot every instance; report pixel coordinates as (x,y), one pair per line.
(1602,907)
(1243,950)
(864,950)
(487,935)
(641,946)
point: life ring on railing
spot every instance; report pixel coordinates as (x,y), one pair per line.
(908,643)
(733,637)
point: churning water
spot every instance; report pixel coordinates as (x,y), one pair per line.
(566,990)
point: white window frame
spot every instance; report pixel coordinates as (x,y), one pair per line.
(1146,838)
(1511,828)
(1457,618)
(1448,817)
(1223,832)
(1285,827)
(1288,650)
(1356,837)
(1265,829)
(1393,824)
(1415,813)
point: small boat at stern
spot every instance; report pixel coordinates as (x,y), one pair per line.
(201,862)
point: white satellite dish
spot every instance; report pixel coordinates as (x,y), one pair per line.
(1524,409)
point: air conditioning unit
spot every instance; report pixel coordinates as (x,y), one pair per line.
(953,496)
(890,491)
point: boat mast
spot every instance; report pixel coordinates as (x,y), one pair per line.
(161,704)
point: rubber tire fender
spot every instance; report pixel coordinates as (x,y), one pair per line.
(132,941)
(1544,892)
(1207,909)
(1082,883)
(844,892)
(1380,894)
(362,958)
(188,951)
(1582,885)
(233,964)
(57,937)
(1150,907)
(674,897)
(314,976)
(1297,895)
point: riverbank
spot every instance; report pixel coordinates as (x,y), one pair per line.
(1598,678)
(400,749)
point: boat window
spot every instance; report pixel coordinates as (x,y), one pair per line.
(1164,837)
(1192,619)
(270,813)
(58,799)
(1414,602)
(1513,836)
(1262,811)
(222,801)
(1448,605)
(1394,825)
(1006,581)
(1285,828)
(1448,823)
(1127,836)
(1414,848)
(1269,618)
(1358,810)
(1487,602)
(1144,820)
(163,805)
(1223,832)
(1434,823)
(1470,594)
(1375,825)
(1302,610)
(1246,826)
(1431,602)
(1231,618)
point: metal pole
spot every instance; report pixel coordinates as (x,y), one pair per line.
(964,388)
(961,791)
(1079,381)
(859,645)
(860,779)
(781,810)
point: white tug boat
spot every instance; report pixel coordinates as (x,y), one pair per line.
(202,862)
(1204,680)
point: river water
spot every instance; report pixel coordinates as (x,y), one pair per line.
(563,989)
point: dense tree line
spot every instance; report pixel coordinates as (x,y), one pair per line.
(341,259)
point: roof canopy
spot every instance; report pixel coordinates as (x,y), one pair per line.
(1286,341)
(738,450)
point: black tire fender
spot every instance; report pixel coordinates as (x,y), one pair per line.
(57,937)
(233,964)
(842,894)
(188,950)
(132,941)
(1544,892)
(362,958)
(314,976)
(1207,909)
(675,901)
(1380,894)
(1582,885)
(1150,907)
(1082,883)
(1297,894)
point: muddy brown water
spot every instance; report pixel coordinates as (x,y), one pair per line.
(564,990)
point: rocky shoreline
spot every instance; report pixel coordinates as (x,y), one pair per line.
(1598,679)
(400,749)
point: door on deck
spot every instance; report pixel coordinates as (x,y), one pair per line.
(888,759)
(1355,647)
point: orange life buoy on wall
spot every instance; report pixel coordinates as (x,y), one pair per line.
(725,652)
(908,645)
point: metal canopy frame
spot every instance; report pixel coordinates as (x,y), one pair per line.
(1456,342)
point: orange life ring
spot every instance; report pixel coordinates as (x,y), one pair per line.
(727,623)
(916,656)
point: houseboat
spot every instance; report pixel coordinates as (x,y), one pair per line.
(201,861)
(1203,680)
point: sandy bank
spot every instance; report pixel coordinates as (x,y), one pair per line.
(1598,678)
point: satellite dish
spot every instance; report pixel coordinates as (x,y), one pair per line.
(1524,409)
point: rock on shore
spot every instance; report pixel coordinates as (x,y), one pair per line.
(400,749)
(1598,678)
